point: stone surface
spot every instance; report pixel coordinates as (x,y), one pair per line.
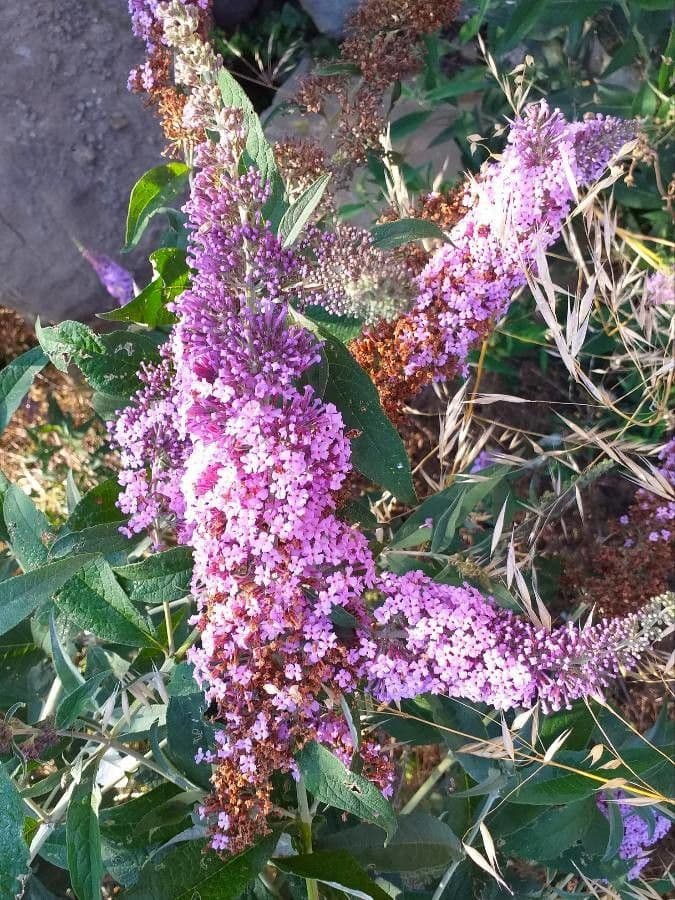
(329,15)
(72,143)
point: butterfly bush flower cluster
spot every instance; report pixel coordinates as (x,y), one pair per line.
(251,473)
(515,210)
(641,830)
(226,441)
(440,639)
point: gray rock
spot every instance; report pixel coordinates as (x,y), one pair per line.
(329,15)
(72,143)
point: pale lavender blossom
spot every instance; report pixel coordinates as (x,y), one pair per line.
(117,280)
(638,832)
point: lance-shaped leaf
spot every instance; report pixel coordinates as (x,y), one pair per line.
(160,578)
(153,191)
(13,849)
(21,595)
(16,380)
(83,839)
(394,234)
(421,842)
(335,868)
(299,213)
(94,600)
(187,872)
(331,782)
(27,527)
(377,450)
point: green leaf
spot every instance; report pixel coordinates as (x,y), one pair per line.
(94,600)
(69,675)
(525,17)
(98,505)
(471,28)
(335,868)
(171,266)
(331,782)
(547,785)
(84,840)
(67,341)
(77,701)
(160,578)
(146,308)
(473,78)
(186,730)
(187,872)
(156,189)
(551,833)
(21,595)
(258,151)
(150,306)
(408,124)
(27,527)
(344,328)
(421,842)
(108,405)
(115,370)
(171,812)
(403,231)
(104,538)
(16,380)
(377,451)
(119,822)
(298,214)
(13,849)
(447,509)
(616,831)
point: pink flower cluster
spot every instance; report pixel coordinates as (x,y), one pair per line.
(516,209)
(247,463)
(440,639)
(639,832)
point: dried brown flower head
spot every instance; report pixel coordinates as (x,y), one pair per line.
(384,41)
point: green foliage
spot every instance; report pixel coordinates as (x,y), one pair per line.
(187,871)
(300,212)
(94,600)
(14,856)
(21,595)
(114,371)
(83,838)
(377,450)
(258,151)
(331,782)
(404,231)
(149,307)
(68,342)
(152,194)
(16,380)
(421,842)
(335,868)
